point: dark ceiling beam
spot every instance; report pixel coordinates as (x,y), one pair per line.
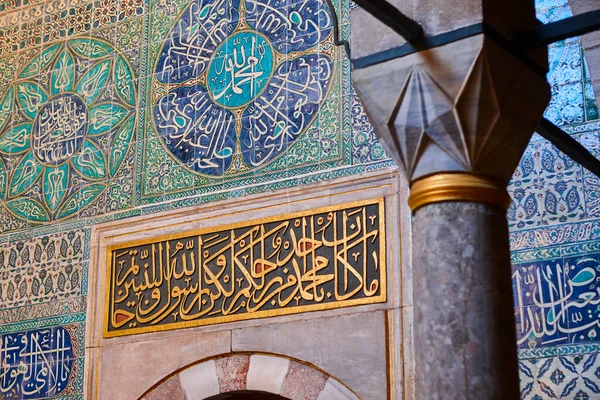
(406,27)
(538,37)
(544,35)
(571,147)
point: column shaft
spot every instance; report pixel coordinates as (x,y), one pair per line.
(465,341)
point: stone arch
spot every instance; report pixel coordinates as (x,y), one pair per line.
(267,373)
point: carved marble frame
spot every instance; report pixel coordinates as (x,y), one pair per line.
(119,364)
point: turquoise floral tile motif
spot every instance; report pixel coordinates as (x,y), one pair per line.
(66,125)
(572,100)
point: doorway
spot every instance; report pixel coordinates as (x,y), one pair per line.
(247,395)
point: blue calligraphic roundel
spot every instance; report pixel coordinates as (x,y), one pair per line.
(203,25)
(36,364)
(196,130)
(290,101)
(293,27)
(242,77)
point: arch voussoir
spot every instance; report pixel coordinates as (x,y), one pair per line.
(251,372)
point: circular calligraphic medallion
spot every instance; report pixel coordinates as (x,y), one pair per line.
(240,69)
(66,124)
(240,78)
(59,129)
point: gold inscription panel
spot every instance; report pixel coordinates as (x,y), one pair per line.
(315,260)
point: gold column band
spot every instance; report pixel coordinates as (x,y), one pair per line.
(457,187)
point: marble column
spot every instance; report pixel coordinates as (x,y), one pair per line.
(457,118)
(464,322)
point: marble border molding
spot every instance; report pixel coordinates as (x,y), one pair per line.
(268,373)
(379,335)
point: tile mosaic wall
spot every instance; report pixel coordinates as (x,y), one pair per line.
(43,287)
(555,238)
(110,109)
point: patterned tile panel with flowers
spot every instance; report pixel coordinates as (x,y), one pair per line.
(555,238)
(573,377)
(89,133)
(546,189)
(43,283)
(42,269)
(56,54)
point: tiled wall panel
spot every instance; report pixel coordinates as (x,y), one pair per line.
(111,109)
(102,117)
(555,238)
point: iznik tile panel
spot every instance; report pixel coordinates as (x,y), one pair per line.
(43,282)
(563,377)
(573,100)
(35,363)
(241,92)
(67,118)
(47,268)
(111,109)
(555,238)
(546,189)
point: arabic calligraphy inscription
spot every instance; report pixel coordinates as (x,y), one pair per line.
(328,258)
(240,69)
(241,78)
(557,301)
(35,364)
(60,129)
